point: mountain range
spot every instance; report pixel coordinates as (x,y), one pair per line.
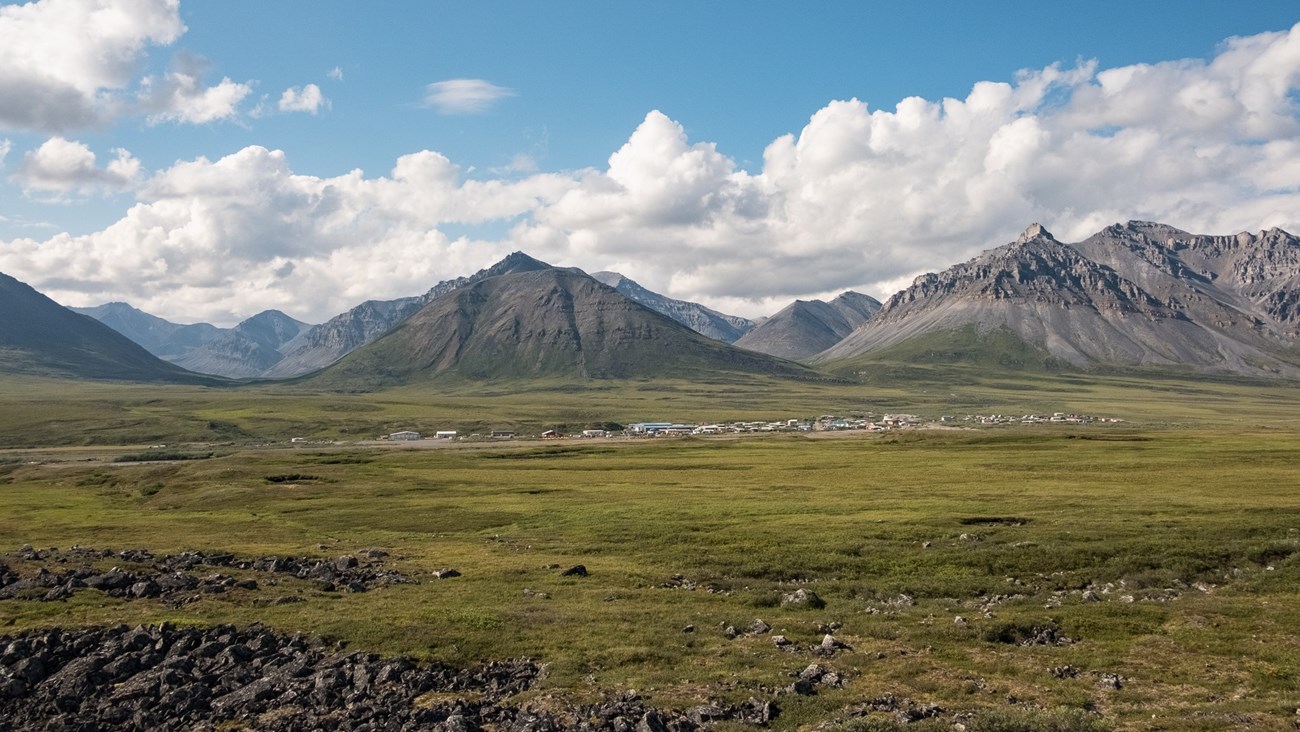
(1135,295)
(807,327)
(244,351)
(41,337)
(324,344)
(544,323)
(1139,294)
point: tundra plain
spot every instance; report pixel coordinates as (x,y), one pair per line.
(1132,576)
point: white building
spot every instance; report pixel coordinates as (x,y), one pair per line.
(404,435)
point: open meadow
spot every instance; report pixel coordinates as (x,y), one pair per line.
(58,413)
(1133,576)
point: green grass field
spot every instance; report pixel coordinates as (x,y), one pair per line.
(1186,537)
(45,412)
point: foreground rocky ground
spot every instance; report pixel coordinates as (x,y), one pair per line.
(52,575)
(170,678)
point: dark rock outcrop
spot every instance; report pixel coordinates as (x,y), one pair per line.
(169,678)
(53,575)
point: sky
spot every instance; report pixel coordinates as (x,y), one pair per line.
(205,161)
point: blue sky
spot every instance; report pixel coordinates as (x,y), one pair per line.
(577,82)
(585,74)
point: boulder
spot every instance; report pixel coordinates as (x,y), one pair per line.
(114,579)
(830,644)
(803,598)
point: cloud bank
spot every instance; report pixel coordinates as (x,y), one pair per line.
(68,64)
(62,60)
(860,197)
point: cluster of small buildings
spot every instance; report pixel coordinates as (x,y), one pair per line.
(1055,418)
(409,435)
(824,423)
(831,423)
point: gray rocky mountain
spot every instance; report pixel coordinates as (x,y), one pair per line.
(548,323)
(41,337)
(163,338)
(244,351)
(702,320)
(807,327)
(1134,295)
(322,345)
(147,330)
(247,350)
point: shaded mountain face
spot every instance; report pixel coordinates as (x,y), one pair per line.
(242,352)
(551,323)
(147,330)
(702,320)
(322,345)
(808,327)
(245,351)
(271,328)
(41,337)
(1135,294)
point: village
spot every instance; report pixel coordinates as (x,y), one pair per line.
(824,423)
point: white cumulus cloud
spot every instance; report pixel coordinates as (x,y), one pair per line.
(303,99)
(65,166)
(464,96)
(62,62)
(868,198)
(860,197)
(180,95)
(218,240)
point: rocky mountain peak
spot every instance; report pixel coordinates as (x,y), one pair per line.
(514,259)
(805,327)
(1135,294)
(512,263)
(544,323)
(613,279)
(1034,231)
